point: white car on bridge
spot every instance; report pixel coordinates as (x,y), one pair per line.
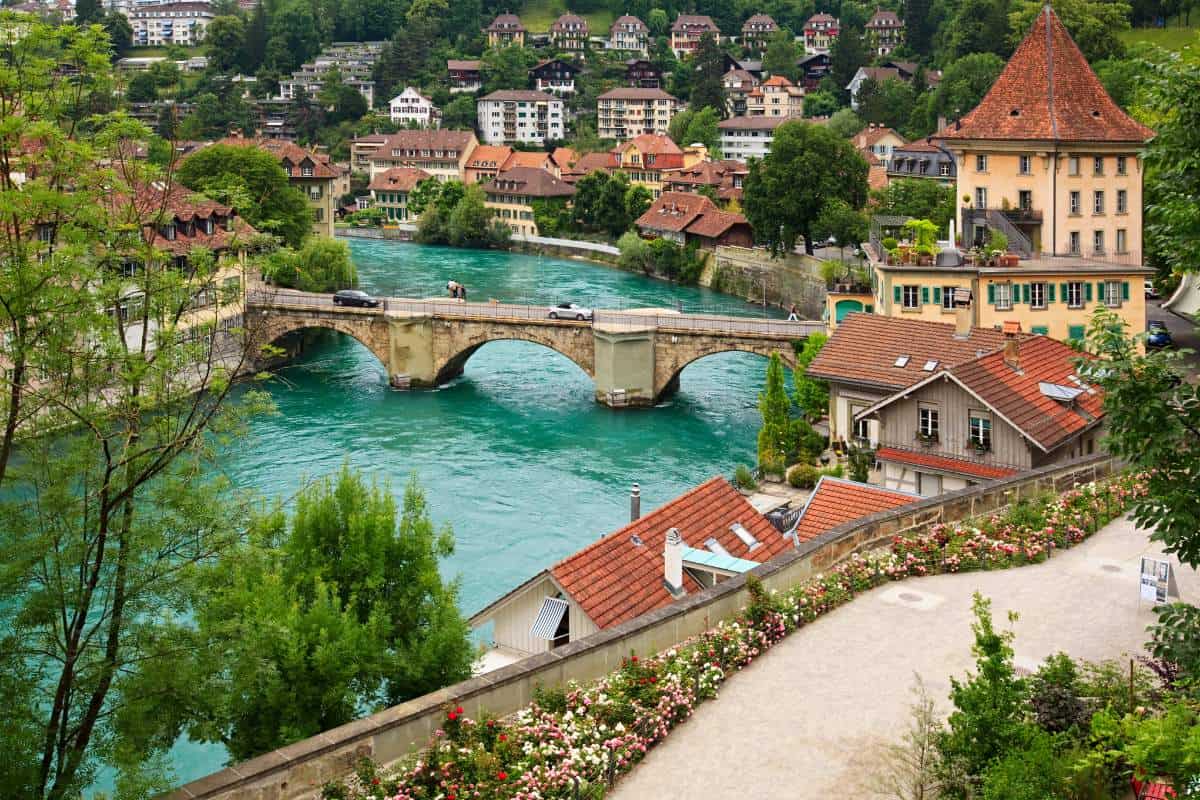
(570,311)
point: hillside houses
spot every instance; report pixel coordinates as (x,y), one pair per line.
(687,30)
(629,34)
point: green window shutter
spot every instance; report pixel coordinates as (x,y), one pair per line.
(991,294)
(1075,332)
(924,295)
(869,309)
(896,293)
(1066,293)
(937,295)
(1041,330)
(1100,291)
(1050,293)
(1125,290)
(1087,288)
(1025,293)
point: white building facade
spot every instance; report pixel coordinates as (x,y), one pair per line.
(170,23)
(410,107)
(510,116)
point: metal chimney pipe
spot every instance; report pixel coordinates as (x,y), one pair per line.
(635,503)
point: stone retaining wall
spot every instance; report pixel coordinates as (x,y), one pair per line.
(300,769)
(752,275)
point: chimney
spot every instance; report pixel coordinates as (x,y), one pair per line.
(673,563)
(635,503)
(962,313)
(1012,345)
(941,123)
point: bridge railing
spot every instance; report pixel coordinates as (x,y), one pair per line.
(711,323)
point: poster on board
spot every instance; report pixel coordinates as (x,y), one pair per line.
(1156,580)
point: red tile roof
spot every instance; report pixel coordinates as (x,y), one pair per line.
(614,579)
(690,213)
(864,349)
(871,134)
(506,22)
(590,162)
(398,179)
(1016,395)
(690,23)
(489,156)
(564,157)
(156,204)
(1048,92)
(835,501)
(292,157)
(635,93)
(959,466)
(563,23)
(529,158)
(529,182)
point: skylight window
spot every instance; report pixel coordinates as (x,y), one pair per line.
(746,536)
(930,365)
(902,361)
(717,547)
(1056,391)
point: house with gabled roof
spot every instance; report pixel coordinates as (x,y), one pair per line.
(569,32)
(1013,408)
(686,218)
(512,193)
(836,501)
(687,30)
(885,29)
(308,171)
(504,30)
(755,32)
(820,32)
(629,34)
(870,357)
(701,537)
(775,97)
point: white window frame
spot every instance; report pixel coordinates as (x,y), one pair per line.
(927,420)
(1073,202)
(1098,242)
(1037,295)
(1073,165)
(1112,294)
(1025,165)
(1098,165)
(1122,240)
(1004,296)
(1073,244)
(1074,296)
(915,290)
(1122,201)
(981,163)
(979,429)
(1122,165)
(981,197)
(1098,201)
(948,297)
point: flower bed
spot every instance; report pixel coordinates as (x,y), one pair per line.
(574,742)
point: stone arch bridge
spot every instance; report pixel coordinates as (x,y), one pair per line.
(634,357)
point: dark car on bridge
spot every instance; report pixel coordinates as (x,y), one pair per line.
(353,297)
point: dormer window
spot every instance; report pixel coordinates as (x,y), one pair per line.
(306,171)
(168,231)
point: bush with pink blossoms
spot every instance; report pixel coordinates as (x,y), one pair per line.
(575,741)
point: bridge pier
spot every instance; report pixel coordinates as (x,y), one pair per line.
(624,358)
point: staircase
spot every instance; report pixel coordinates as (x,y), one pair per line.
(1018,242)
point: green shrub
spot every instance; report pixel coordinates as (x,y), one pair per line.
(861,461)
(743,478)
(803,476)
(836,471)
(890,243)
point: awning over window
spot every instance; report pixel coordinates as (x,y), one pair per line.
(548,618)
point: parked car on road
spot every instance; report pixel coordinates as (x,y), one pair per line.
(1151,292)
(1158,336)
(570,311)
(354,297)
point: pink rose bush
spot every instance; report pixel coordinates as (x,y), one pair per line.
(574,741)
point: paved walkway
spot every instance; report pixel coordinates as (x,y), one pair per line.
(804,720)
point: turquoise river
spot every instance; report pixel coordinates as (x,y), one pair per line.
(515,455)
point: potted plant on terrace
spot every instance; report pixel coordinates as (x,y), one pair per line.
(927,439)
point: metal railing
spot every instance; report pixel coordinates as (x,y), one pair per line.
(454,309)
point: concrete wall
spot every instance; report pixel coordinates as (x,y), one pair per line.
(789,279)
(300,769)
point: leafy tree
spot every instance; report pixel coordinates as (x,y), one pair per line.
(88,11)
(104,515)
(658,22)
(811,395)
(552,216)
(424,194)
(321,265)
(1122,79)
(914,197)
(469,219)
(845,123)
(843,224)
(919,26)
(709,62)
(1032,772)
(702,129)
(821,104)
(253,182)
(845,57)
(887,102)
(963,85)
(142,88)
(120,33)
(254,43)
(635,253)
(610,214)
(975,26)
(637,201)
(780,56)
(459,113)
(506,68)
(986,723)
(808,167)
(309,625)
(224,40)
(293,37)
(1095,25)
(774,440)
(1153,422)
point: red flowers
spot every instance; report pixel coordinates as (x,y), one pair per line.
(452,716)
(501,776)
(502,738)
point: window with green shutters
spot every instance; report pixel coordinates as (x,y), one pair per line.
(1041,330)
(1050,293)
(937,295)
(924,295)
(1075,333)
(1124,290)
(1088,291)
(896,292)
(991,294)
(1025,293)
(869,309)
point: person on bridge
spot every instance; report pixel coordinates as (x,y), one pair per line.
(462,293)
(452,288)
(793,314)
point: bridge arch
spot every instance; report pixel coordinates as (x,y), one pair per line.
(370,332)
(672,359)
(577,347)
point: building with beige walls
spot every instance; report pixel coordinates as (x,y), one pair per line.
(511,195)
(626,112)
(307,171)
(442,153)
(390,190)
(686,31)
(775,97)
(505,29)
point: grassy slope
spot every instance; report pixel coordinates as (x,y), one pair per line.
(1171,38)
(537,15)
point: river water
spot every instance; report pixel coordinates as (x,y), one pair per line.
(515,454)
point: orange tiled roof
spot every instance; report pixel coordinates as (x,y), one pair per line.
(960,466)
(864,348)
(871,134)
(522,158)
(1048,92)
(615,579)
(156,204)
(489,156)
(291,156)
(564,157)
(590,162)
(835,501)
(398,179)
(529,182)
(1016,395)
(689,213)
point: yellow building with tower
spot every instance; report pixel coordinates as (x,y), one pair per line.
(1049,161)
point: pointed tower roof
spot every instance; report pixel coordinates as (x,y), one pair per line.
(1048,92)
